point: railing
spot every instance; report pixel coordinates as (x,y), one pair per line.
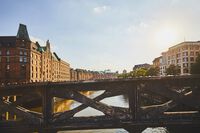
(158,101)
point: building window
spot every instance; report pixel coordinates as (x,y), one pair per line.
(7,52)
(20,59)
(178,55)
(7,59)
(25,59)
(23,44)
(185,70)
(185,59)
(185,53)
(20,52)
(25,53)
(197,53)
(22,71)
(191,58)
(185,64)
(7,67)
(191,53)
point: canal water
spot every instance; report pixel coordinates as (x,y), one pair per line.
(120,101)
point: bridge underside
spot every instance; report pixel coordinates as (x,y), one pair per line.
(171,102)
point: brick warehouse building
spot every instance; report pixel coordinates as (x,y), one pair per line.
(23,60)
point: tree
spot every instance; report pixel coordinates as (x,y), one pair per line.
(153,71)
(173,70)
(195,68)
(123,75)
(140,72)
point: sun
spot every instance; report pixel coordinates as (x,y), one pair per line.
(166,37)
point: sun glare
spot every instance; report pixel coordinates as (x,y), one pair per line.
(166,37)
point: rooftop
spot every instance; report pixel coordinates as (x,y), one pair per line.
(185,43)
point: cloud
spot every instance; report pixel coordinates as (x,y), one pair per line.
(100,9)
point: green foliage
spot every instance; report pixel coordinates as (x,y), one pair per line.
(195,68)
(140,72)
(123,75)
(153,71)
(173,70)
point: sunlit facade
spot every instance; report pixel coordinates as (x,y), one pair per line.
(23,60)
(182,55)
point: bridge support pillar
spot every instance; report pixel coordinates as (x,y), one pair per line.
(134,103)
(47,106)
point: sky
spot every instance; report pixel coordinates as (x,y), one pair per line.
(104,34)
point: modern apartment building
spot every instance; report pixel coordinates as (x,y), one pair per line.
(183,55)
(23,60)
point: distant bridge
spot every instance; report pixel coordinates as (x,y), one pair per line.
(172,102)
